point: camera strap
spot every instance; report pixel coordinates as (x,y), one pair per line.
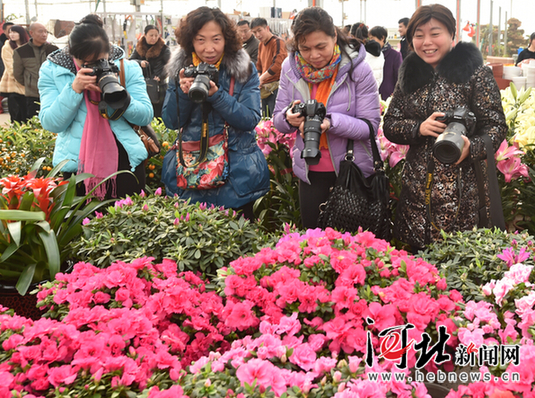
(496,210)
(204,142)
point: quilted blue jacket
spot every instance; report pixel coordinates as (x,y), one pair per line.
(248,171)
(63,111)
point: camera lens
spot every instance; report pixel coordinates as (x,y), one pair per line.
(449,145)
(198,91)
(112,92)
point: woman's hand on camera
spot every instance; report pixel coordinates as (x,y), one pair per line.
(185,82)
(213,88)
(466,150)
(84,81)
(432,127)
(294,119)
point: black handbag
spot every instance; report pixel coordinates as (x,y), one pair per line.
(356,201)
(153,86)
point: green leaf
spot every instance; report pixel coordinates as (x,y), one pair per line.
(12,248)
(56,170)
(37,164)
(20,215)
(25,279)
(15,230)
(52,251)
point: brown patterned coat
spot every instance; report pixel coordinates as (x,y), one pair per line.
(460,80)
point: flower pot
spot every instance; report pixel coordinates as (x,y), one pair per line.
(25,306)
(437,390)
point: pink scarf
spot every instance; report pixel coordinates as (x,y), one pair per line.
(98,151)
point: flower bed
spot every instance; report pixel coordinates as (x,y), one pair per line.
(293,315)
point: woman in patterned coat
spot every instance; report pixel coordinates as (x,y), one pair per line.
(435,78)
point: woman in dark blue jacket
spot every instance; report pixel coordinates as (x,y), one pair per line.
(209,36)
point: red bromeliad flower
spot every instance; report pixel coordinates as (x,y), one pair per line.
(14,188)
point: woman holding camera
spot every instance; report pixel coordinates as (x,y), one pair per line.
(70,97)
(326,66)
(153,54)
(434,79)
(209,51)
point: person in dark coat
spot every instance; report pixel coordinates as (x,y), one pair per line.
(393,61)
(153,54)
(434,78)
(403,44)
(208,36)
(528,53)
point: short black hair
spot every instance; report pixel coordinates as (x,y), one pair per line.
(243,22)
(148,28)
(258,22)
(404,21)
(6,24)
(379,32)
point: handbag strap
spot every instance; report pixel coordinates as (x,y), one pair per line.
(496,210)
(377,160)
(206,108)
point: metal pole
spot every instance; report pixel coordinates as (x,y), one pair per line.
(27,12)
(505,36)
(491,27)
(458,21)
(36,13)
(478,29)
(499,39)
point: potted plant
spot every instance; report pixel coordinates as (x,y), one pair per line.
(38,218)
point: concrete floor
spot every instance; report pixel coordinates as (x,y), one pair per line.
(4,119)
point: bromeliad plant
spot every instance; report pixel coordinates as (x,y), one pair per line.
(39,217)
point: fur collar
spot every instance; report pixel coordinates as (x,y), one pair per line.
(238,66)
(458,66)
(148,52)
(64,58)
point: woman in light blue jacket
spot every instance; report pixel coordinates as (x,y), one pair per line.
(70,97)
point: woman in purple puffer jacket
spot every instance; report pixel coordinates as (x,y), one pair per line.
(326,66)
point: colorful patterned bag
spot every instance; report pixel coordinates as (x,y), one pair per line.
(202,164)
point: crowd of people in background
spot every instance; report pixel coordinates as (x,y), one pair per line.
(253,73)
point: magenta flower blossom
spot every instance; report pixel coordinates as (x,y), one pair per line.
(158,192)
(512,169)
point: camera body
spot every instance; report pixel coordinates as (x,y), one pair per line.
(106,72)
(314,112)
(449,145)
(203,73)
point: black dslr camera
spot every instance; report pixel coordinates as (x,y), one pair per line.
(314,113)
(106,72)
(203,73)
(449,145)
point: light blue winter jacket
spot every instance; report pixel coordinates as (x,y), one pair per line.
(63,111)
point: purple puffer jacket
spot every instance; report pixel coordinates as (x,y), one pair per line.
(349,101)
